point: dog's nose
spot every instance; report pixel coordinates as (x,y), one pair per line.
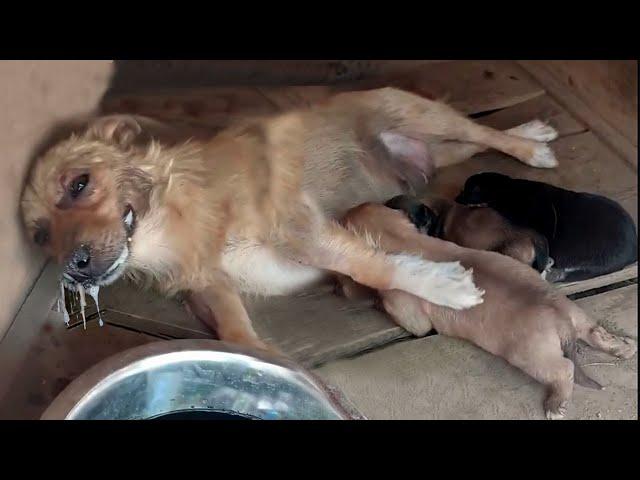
(79,265)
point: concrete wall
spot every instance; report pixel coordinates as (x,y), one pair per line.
(34,96)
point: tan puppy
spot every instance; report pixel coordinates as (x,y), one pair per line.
(251,209)
(522,319)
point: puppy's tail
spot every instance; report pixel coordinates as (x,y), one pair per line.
(569,349)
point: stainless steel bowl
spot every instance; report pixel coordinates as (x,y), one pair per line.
(196,379)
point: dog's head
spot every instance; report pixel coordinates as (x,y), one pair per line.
(81,200)
(483,188)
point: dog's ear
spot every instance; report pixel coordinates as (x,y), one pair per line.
(121,130)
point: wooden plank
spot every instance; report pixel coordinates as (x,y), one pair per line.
(583,109)
(312,327)
(608,87)
(575,287)
(213,107)
(133,76)
(543,108)
(471,86)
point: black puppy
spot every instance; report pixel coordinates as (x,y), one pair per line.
(588,235)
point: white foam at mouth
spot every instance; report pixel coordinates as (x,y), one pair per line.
(62,305)
(83,303)
(93,291)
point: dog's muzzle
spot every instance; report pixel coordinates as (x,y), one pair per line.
(87,268)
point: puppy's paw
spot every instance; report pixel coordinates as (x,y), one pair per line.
(543,157)
(535,130)
(555,410)
(626,348)
(447,284)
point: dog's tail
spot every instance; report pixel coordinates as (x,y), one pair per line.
(569,349)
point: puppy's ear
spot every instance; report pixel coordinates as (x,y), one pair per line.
(121,130)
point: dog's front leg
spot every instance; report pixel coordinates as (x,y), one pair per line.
(331,247)
(220,307)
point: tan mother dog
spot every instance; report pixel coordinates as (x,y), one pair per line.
(522,319)
(251,209)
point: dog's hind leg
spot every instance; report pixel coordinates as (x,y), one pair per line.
(547,364)
(451,152)
(419,118)
(597,337)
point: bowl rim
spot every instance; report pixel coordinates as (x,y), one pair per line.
(85,383)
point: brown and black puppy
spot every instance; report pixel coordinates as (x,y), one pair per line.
(522,319)
(481,228)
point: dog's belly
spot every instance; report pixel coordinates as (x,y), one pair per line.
(257,269)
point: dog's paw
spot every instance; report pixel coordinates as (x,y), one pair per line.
(543,157)
(447,284)
(535,130)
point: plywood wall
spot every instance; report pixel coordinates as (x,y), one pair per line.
(34,95)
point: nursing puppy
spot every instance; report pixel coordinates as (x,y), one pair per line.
(252,208)
(522,319)
(481,228)
(588,235)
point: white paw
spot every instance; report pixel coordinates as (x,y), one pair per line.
(447,284)
(535,130)
(543,157)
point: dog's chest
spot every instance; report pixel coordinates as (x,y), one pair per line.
(256,268)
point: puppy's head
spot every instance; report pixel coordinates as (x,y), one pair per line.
(483,188)
(424,218)
(81,200)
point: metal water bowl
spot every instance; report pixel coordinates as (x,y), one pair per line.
(199,379)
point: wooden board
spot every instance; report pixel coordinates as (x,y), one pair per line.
(572,288)
(312,327)
(589,105)
(135,75)
(471,87)
(543,108)
(608,87)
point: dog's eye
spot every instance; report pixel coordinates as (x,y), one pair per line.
(41,237)
(78,184)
